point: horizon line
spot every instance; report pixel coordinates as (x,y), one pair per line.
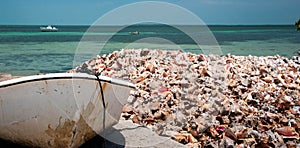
(149,24)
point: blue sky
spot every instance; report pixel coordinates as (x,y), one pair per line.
(85,12)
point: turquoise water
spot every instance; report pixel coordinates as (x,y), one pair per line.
(24,50)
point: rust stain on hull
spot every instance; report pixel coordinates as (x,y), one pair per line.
(83,133)
(62,134)
(103,88)
(70,133)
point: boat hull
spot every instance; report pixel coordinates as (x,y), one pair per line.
(59,110)
(47,30)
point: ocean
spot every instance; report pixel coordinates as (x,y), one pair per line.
(24,50)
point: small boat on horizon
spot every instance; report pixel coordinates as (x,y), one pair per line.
(134,33)
(49,28)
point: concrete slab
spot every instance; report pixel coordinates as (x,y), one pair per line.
(133,135)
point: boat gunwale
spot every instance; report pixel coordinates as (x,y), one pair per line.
(33,78)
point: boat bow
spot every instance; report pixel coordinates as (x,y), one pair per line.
(59,110)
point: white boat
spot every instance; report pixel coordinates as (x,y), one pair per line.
(49,28)
(59,110)
(134,33)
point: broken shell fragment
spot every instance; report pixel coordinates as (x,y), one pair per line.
(220,128)
(267,79)
(205,72)
(286,131)
(181,138)
(192,139)
(230,135)
(212,132)
(135,119)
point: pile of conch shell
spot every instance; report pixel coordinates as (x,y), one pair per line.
(209,100)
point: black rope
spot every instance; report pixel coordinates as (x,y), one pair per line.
(101,90)
(103,103)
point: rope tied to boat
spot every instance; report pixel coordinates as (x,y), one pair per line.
(101,89)
(97,74)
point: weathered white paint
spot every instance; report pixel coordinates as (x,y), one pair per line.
(59,110)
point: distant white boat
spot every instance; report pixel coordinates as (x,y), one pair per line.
(49,28)
(134,33)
